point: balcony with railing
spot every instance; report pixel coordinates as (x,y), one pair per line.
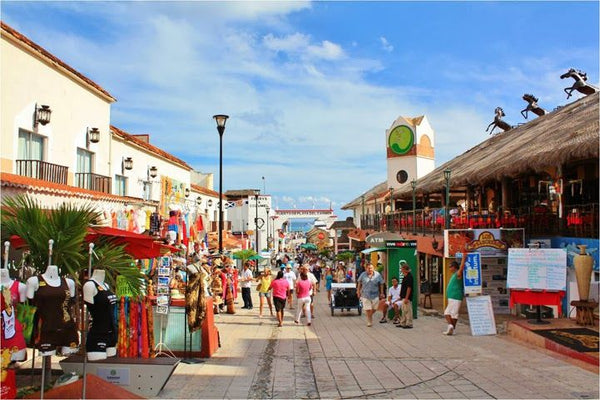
(91,181)
(43,170)
(577,221)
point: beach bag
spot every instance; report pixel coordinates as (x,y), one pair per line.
(25,315)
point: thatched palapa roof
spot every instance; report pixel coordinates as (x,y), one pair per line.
(565,135)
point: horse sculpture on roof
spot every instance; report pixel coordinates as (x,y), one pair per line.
(532,106)
(580,82)
(498,121)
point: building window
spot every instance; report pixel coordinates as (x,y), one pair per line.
(120,185)
(84,161)
(31,146)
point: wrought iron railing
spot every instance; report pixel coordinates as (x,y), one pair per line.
(577,221)
(43,170)
(91,181)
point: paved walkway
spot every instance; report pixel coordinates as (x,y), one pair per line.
(340,357)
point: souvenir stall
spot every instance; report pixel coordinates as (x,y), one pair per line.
(121,331)
(492,245)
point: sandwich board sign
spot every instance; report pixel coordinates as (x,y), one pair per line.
(481,315)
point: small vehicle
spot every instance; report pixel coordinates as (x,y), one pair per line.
(343,297)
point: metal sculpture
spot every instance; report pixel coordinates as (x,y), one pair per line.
(532,106)
(580,82)
(498,121)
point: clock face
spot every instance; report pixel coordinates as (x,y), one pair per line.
(402,176)
(401,139)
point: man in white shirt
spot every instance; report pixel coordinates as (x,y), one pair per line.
(290,276)
(393,300)
(246,285)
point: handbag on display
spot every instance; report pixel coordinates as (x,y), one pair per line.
(25,315)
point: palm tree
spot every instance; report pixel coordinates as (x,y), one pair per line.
(67,225)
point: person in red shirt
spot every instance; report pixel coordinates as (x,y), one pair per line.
(280,288)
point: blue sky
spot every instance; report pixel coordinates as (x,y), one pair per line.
(311,87)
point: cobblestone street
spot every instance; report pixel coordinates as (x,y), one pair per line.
(340,357)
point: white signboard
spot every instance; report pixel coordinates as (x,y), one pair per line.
(118,376)
(541,269)
(481,315)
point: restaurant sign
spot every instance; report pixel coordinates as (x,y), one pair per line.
(487,242)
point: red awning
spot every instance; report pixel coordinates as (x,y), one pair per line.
(136,245)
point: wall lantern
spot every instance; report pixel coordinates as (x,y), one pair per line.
(128,163)
(210,202)
(152,172)
(198,201)
(187,192)
(42,115)
(93,135)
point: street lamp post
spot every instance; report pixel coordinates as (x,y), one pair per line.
(413,185)
(268,234)
(256,193)
(221,120)
(447,173)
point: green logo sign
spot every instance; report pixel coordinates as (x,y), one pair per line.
(401,139)
(113,372)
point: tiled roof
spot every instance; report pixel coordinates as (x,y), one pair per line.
(241,192)
(27,183)
(53,59)
(343,225)
(204,190)
(131,138)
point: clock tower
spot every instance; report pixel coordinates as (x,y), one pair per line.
(410,154)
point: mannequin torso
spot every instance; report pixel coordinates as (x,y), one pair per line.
(52,278)
(52,294)
(102,333)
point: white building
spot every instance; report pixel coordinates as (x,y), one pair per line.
(57,144)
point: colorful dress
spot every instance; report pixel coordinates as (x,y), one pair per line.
(12,330)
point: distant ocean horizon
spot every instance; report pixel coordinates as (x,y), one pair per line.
(301,224)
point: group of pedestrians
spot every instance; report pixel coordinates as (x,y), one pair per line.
(371,286)
(279,291)
(370,289)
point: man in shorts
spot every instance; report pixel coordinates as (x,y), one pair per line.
(370,290)
(393,300)
(454,294)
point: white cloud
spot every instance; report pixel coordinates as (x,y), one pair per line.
(385,45)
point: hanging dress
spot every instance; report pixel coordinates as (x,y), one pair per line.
(12,330)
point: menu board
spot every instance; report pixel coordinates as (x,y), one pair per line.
(481,315)
(541,269)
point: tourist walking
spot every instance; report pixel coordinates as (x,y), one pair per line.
(339,275)
(263,291)
(370,290)
(290,276)
(454,294)
(303,288)
(406,293)
(328,282)
(246,285)
(279,288)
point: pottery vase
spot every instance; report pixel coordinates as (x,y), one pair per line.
(584,264)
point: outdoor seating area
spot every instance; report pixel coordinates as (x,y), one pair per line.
(581,221)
